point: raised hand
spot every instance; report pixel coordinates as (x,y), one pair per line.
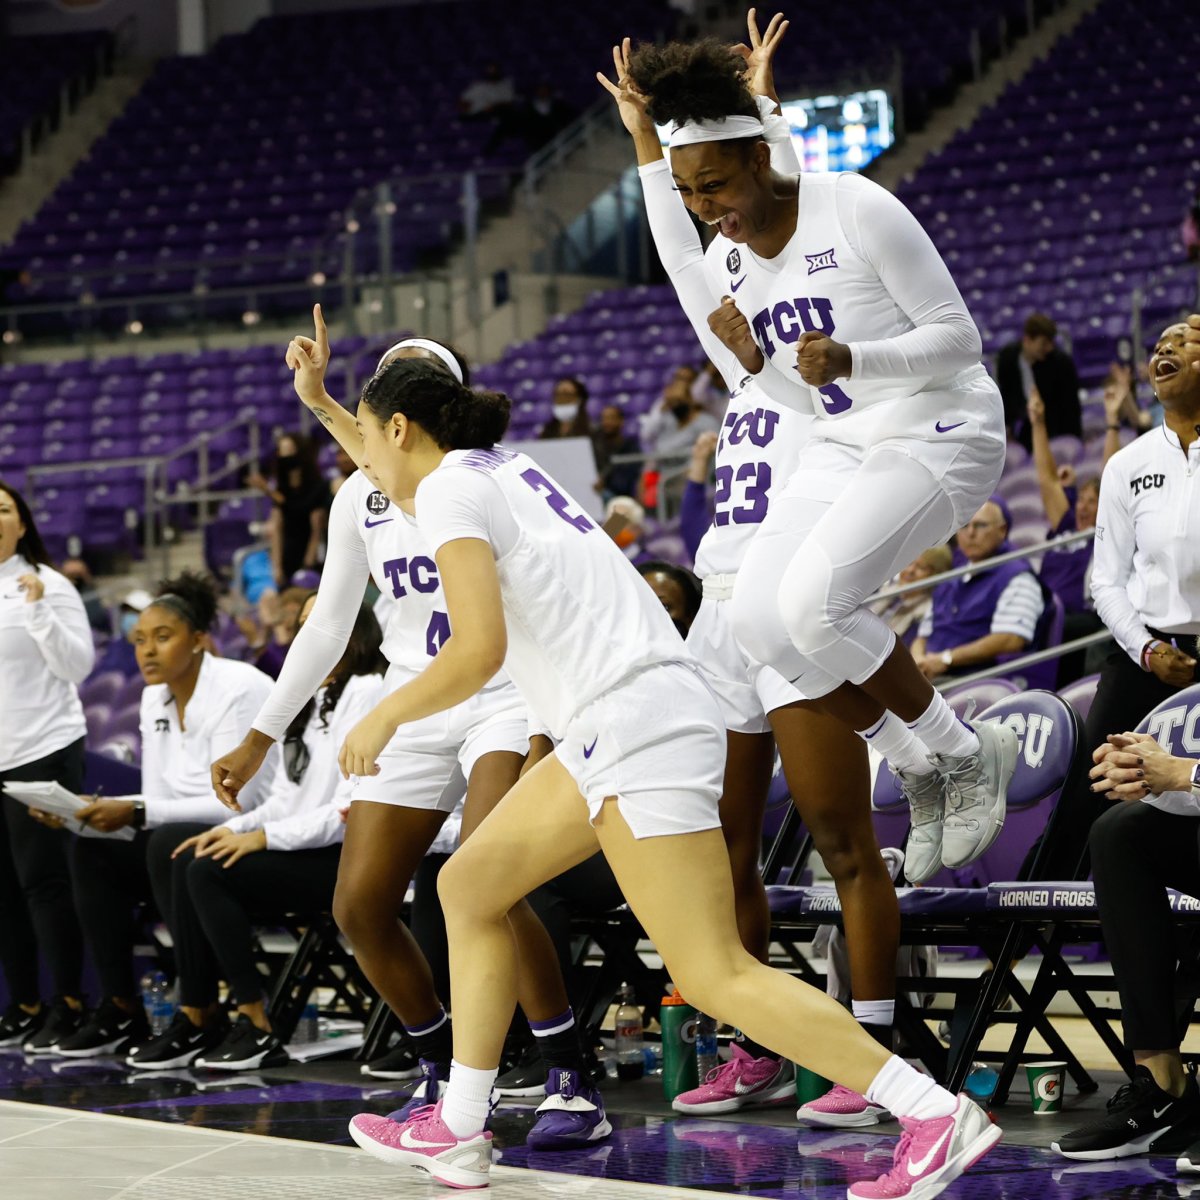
(631,103)
(308,358)
(759,56)
(730,325)
(1036,408)
(1192,337)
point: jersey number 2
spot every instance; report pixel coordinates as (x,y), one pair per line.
(557,501)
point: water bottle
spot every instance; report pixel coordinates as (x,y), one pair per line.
(156,999)
(308,1030)
(980,1084)
(706,1045)
(678,1021)
(630,1039)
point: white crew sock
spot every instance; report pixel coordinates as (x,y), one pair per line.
(468,1100)
(874,1012)
(905,1092)
(892,738)
(943,732)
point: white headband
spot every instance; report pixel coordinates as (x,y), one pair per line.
(724,130)
(433,348)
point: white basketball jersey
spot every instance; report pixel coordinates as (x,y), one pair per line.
(818,282)
(579,617)
(416,625)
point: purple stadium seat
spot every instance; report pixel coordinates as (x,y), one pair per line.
(1080,694)
(982,695)
(102,688)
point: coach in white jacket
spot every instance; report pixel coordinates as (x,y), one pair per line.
(45,652)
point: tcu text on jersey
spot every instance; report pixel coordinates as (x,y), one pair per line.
(790,318)
(420,570)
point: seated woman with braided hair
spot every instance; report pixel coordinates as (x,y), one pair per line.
(193,709)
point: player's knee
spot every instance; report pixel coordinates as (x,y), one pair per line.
(802,600)
(470,887)
(847,854)
(755,621)
(719,984)
(357,912)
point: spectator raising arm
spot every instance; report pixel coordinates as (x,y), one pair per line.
(1054,495)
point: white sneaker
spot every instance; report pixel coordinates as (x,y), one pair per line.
(926,796)
(976,793)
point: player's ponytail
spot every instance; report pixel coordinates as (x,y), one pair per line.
(456,417)
(692,81)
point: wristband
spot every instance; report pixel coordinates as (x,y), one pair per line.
(948,658)
(138,819)
(1113,428)
(1147,650)
(1196,779)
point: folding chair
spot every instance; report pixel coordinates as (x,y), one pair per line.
(953,909)
(1062,913)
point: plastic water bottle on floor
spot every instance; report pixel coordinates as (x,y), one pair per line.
(308,1029)
(981,1082)
(630,1037)
(156,999)
(706,1045)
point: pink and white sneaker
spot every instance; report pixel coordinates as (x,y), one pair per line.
(840,1108)
(743,1082)
(932,1154)
(425,1141)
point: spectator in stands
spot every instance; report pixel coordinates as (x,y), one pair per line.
(672,426)
(545,116)
(1139,850)
(978,619)
(1071,507)
(1145,572)
(609,440)
(696,508)
(625,523)
(283,612)
(489,96)
(1191,229)
(80,574)
(570,417)
(343,468)
(193,707)
(45,653)
(300,496)
(709,390)
(118,654)
(677,589)
(280,858)
(1036,362)
(1121,404)
(905,613)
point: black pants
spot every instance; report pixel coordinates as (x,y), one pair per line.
(1074,666)
(211,909)
(36,913)
(1125,694)
(588,888)
(1137,852)
(110,881)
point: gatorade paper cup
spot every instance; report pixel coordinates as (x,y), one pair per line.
(1046,1081)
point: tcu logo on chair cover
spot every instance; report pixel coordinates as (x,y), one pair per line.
(1175,723)
(1048,731)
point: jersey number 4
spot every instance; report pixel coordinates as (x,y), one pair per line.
(437,633)
(753,480)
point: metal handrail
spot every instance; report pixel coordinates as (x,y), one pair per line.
(1084,535)
(1012,665)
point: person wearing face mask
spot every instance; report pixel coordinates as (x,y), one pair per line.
(45,653)
(570,417)
(300,497)
(193,708)
(118,654)
(672,426)
(80,574)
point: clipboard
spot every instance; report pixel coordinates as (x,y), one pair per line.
(55,799)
